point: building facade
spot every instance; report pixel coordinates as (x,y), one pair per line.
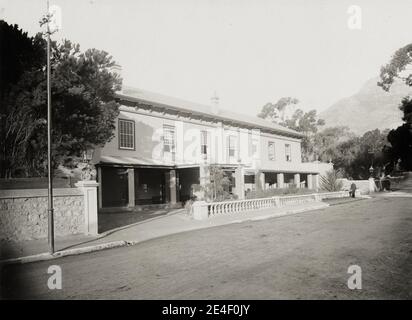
(163,145)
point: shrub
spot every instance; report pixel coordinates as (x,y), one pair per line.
(330,181)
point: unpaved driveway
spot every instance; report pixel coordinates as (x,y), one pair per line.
(300,256)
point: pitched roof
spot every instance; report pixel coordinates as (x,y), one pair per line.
(163,101)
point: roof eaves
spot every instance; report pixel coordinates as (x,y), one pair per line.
(287,131)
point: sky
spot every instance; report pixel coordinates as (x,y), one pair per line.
(248,52)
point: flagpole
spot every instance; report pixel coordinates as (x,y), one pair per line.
(50,210)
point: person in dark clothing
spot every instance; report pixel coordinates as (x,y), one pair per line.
(352,190)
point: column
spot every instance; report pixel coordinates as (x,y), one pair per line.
(240,183)
(221,144)
(130,185)
(172,186)
(89,189)
(167,187)
(316,182)
(310,181)
(203,174)
(297,180)
(280,180)
(262,180)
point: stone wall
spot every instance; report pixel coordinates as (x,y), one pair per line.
(361,185)
(23,213)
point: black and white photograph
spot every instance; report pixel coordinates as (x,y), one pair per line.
(217,151)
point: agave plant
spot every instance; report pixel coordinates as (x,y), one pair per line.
(330,181)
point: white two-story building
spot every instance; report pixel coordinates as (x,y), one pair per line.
(162,146)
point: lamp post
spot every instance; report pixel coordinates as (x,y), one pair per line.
(50,209)
(88,171)
(370,151)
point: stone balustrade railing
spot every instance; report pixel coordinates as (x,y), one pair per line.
(202,210)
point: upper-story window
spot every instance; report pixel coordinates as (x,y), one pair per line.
(126,134)
(288,152)
(203,143)
(169,143)
(253,145)
(271,150)
(232,146)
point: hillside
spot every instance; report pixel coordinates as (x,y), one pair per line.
(368,109)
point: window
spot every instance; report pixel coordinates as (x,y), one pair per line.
(271,150)
(126,134)
(232,146)
(203,143)
(169,146)
(288,152)
(253,144)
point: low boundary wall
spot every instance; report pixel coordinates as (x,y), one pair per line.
(203,210)
(23,213)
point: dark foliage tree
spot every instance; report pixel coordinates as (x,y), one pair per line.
(356,155)
(400,139)
(84,109)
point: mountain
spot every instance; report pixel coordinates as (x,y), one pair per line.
(370,108)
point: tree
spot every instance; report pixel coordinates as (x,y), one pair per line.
(325,142)
(400,139)
(305,122)
(397,68)
(308,124)
(21,56)
(216,189)
(84,108)
(276,112)
(355,155)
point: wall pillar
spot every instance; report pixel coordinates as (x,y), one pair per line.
(172,186)
(130,187)
(310,181)
(296,180)
(240,183)
(200,210)
(280,180)
(372,185)
(89,189)
(99,180)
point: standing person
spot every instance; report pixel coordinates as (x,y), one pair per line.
(352,190)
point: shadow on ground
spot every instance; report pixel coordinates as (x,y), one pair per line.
(114,220)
